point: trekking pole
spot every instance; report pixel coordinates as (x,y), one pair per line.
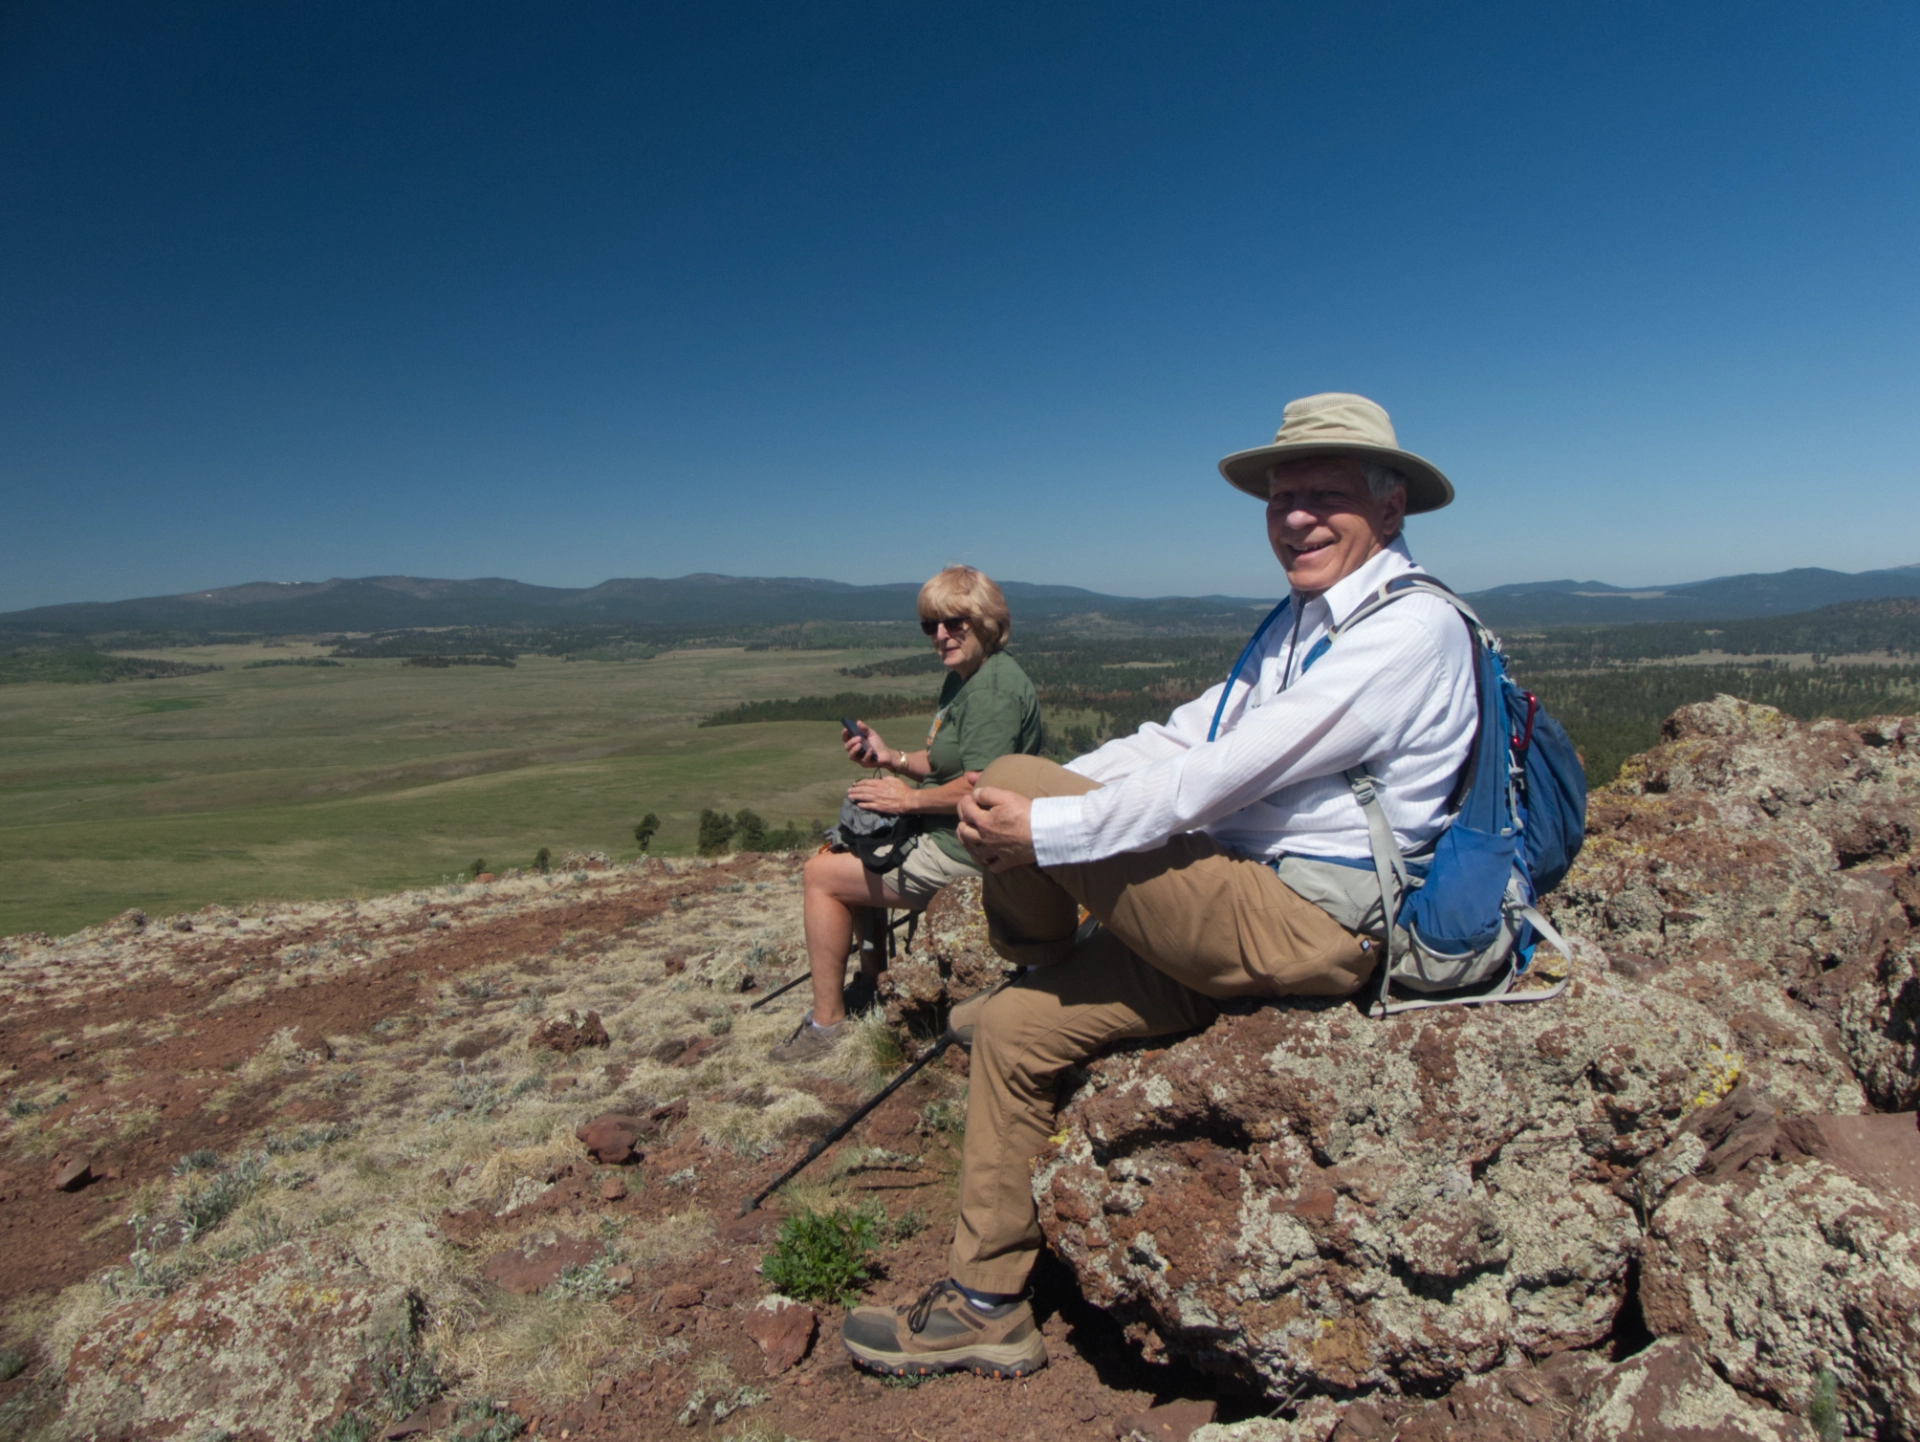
(940,1044)
(782,991)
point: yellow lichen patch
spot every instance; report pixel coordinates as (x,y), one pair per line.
(1723,1074)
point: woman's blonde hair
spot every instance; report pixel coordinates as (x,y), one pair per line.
(963,591)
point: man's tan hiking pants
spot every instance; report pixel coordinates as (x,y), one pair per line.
(1182,926)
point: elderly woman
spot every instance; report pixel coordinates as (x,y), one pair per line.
(987,709)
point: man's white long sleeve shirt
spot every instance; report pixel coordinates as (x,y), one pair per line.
(1396,693)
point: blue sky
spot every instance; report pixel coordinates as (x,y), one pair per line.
(569,292)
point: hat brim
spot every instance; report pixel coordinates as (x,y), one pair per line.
(1427,489)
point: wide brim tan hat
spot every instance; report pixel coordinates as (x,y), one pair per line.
(1338,424)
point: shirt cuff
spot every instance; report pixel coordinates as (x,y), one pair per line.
(1058,830)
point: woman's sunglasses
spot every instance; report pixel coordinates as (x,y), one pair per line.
(956,625)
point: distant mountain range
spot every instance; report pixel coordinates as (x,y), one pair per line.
(1724,598)
(391,603)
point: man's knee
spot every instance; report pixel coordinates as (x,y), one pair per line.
(1000,1029)
(1033,776)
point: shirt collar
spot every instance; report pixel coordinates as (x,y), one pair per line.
(1345,596)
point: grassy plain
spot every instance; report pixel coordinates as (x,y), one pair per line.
(294,782)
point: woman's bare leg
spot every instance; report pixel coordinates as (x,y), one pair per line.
(832,884)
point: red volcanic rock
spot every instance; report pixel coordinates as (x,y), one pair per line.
(569,1034)
(1765,868)
(1340,1205)
(613,1189)
(524,1273)
(70,1174)
(784,1330)
(612,1138)
(1173,1422)
(680,1296)
(948,962)
(1803,1219)
(1667,1393)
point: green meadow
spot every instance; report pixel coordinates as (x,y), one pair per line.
(296,782)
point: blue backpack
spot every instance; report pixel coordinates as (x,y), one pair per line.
(1465,923)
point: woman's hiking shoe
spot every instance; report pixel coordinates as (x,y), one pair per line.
(944,1332)
(810,1042)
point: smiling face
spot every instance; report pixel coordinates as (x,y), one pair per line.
(1324,524)
(963,652)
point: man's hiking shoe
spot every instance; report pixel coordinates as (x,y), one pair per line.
(944,1332)
(810,1042)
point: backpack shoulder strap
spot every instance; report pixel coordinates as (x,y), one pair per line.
(1399,586)
(1246,655)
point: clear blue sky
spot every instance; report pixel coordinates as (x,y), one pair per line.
(565,292)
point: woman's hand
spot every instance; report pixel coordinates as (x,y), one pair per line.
(888,795)
(864,746)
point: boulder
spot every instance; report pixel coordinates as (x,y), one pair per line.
(1788,1247)
(1666,1393)
(783,1330)
(948,962)
(70,1174)
(568,1034)
(1315,1202)
(613,1138)
(275,1346)
(1762,866)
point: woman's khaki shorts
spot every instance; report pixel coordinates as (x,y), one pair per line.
(927,869)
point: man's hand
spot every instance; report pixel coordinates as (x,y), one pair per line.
(996,827)
(888,795)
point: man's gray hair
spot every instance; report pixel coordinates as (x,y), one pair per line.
(1382,480)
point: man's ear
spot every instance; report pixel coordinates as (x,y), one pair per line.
(1393,513)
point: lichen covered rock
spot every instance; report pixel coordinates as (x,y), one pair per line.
(1764,867)
(276,1346)
(948,962)
(1790,1246)
(1313,1201)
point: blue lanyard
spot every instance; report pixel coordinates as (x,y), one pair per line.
(1240,665)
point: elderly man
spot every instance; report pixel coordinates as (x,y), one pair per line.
(1170,838)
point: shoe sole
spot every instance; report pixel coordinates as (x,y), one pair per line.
(1001,1361)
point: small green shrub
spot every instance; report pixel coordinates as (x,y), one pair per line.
(643,833)
(543,860)
(822,1256)
(484,1420)
(201,1209)
(1823,1412)
(909,1224)
(479,865)
(348,1427)
(944,1116)
(13,1362)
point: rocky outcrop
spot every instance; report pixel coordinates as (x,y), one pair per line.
(1667,1393)
(1314,1201)
(1764,867)
(1789,1248)
(948,962)
(1374,1213)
